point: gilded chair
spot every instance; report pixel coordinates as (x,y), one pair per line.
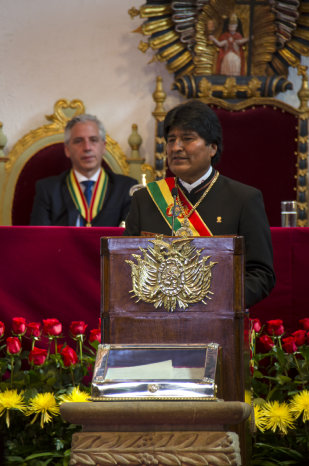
(265,144)
(40,153)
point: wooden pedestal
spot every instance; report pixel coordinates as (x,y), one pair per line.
(156,432)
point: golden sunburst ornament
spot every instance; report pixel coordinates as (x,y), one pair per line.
(171,275)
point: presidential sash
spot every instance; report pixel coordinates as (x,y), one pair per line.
(97,199)
(161,194)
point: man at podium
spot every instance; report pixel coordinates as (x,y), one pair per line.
(199,201)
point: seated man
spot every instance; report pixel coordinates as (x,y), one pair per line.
(87,195)
(207,203)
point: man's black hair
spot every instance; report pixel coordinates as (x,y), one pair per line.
(195,115)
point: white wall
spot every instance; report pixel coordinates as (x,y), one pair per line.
(52,49)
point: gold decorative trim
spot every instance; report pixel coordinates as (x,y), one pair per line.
(258,101)
(229,89)
(147,11)
(149,171)
(154,398)
(156,26)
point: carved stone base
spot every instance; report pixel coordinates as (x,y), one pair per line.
(155,448)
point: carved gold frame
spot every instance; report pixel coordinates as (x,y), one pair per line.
(39,138)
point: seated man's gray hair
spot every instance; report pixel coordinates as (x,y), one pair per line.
(83,119)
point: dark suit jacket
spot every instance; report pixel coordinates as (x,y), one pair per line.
(53,204)
(230,208)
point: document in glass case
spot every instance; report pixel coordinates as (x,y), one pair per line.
(144,372)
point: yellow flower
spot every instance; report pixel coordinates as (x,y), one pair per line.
(259,418)
(10,399)
(300,404)
(44,404)
(75,396)
(278,416)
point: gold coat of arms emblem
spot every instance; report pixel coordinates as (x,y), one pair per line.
(171,274)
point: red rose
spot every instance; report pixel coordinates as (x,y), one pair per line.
(13,345)
(305,323)
(95,335)
(52,327)
(19,325)
(289,345)
(38,356)
(256,325)
(78,327)
(2,329)
(34,329)
(69,356)
(275,327)
(266,342)
(300,337)
(59,347)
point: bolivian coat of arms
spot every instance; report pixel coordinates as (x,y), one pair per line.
(171,275)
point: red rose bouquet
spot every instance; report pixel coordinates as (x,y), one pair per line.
(39,369)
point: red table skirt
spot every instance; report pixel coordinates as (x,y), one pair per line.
(289,300)
(51,272)
(54,272)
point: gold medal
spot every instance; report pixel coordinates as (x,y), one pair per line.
(185,230)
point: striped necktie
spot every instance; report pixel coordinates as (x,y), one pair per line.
(88,189)
(88,185)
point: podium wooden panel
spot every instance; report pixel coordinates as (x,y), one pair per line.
(222,320)
(169,431)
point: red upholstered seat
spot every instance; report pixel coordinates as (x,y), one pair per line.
(47,162)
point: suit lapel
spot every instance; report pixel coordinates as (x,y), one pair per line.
(69,206)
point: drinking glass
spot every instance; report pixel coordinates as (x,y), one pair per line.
(288,213)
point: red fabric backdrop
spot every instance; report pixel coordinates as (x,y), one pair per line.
(48,272)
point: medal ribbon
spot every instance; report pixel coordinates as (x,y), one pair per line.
(97,199)
(161,194)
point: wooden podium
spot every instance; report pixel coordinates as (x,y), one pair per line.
(172,431)
(221,320)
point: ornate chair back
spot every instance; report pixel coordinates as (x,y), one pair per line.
(39,154)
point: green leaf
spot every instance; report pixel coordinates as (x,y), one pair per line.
(283,379)
(258,374)
(44,454)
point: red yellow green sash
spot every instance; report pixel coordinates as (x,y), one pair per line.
(161,194)
(97,199)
